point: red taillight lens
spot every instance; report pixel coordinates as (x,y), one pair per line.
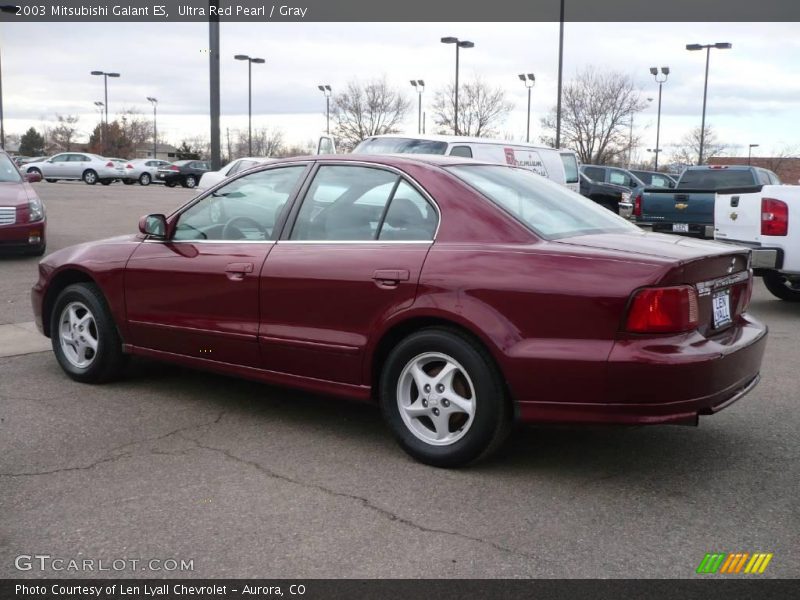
(109,164)
(663,310)
(174,168)
(774,217)
(637,206)
(129,166)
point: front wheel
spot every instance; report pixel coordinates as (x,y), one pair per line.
(190,181)
(144,179)
(51,180)
(84,337)
(444,399)
(89,177)
(106,181)
(782,286)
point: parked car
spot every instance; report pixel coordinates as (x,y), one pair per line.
(21,161)
(615,198)
(655,178)
(457,294)
(764,219)
(615,175)
(689,208)
(23,222)
(560,166)
(212,178)
(184,172)
(143,170)
(90,168)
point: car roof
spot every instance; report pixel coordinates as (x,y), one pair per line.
(391,160)
(719,167)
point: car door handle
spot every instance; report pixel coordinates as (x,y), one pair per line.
(237,271)
(390,277)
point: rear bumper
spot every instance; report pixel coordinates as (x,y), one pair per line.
(668,380)
(697,230)
(625,210)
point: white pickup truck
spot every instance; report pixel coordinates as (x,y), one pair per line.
(765,219)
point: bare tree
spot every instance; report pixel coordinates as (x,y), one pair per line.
(597,107)
(780,158)
(481,109)
(137,128)
(363,110)
(63,134)
(309,147)
(266,142)
(688,150)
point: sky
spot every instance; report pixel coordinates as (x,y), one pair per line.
(753,92)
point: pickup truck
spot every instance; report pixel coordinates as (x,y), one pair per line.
(615,198)
(689,208)
(765,219)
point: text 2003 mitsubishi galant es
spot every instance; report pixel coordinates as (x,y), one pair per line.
(458,295)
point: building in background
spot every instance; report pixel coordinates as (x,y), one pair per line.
(164,152)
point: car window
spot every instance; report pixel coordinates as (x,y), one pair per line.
(8,172)
(75,158)
(619,178)
(242,165)
(344,203)
(410,216)
(763,178)
(570,167)
(464,151)
(595,173)
(715,179)
(60,158)
(660,181)
(548,209)
(244,209)
(774,179)
(400,146)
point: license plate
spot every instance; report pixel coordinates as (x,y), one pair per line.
(721,303)
(680,227)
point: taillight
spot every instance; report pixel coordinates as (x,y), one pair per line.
(129,166)
(774,217)
(109,164)
(174,168)
(663,310)
(637,206)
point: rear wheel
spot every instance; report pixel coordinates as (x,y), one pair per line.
(144,179)
(84,337)
(128,181)
(190,181)
(444,399)
(782,286)
(106,181)
(170,183)
(51,180)
(90,177)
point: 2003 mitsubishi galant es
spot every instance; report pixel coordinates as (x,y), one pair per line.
(459,295)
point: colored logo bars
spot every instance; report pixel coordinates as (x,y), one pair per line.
(740,562)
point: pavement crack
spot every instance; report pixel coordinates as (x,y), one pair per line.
(112,457)
(365,502)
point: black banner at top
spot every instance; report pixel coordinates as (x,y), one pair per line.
(261,11)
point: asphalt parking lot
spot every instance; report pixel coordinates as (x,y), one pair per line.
(248,480)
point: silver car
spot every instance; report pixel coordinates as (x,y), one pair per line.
(238,165)
(90,168)
(143,170)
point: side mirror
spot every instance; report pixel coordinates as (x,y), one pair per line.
(33,177)
(155,225)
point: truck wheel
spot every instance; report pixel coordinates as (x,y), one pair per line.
(782,286)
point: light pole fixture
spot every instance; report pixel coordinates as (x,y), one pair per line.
(707,47)
(326,90)
(250,60)
(529,79)
(660,78)
(105,86)
(419,85)
(750,151)
(459,44)
(656,152)
(154,102)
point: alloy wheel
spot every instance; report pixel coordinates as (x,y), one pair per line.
(78,334)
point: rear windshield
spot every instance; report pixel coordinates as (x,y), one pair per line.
(400,146)
(8,172)
(715,179)
(549,210)
(570,167)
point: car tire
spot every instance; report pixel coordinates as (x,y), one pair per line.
(170,183)
(190,181)
(82,305)
(89,177)
(128,181)
(781,286)
(106,181)
(38,250)
(465,419)
(145,179)
(51,180)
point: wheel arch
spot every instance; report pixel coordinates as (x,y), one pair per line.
(61,280)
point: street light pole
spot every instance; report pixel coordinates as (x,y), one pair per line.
(2,125)
(100,108)
(326,90)
(560,73)
(750,151)
(419,86)
(660,81)
(529,79)
(105,75)
(154,102)
(707,47)
(250,62)
(459,44)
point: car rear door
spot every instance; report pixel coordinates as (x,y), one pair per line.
(349,257)
(197,293)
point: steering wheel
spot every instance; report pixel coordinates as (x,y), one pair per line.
(231,230)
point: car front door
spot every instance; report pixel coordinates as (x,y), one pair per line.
(75,165)
(56,167)
(197,293)
(350,256)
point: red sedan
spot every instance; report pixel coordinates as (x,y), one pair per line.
(22,218)
(458,295)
